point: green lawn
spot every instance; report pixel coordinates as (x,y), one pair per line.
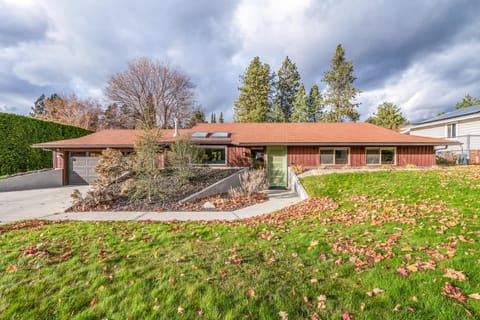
(368,246)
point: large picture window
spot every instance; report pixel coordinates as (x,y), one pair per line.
(380,156)
(334,156)
(215,155)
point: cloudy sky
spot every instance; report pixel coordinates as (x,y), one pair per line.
(422,55)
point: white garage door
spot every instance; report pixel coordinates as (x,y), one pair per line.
(81,169)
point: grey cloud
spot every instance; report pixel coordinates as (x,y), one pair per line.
(19,24)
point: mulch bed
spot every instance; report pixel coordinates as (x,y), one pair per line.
(204,177)
(222,202)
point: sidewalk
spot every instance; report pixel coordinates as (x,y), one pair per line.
(278,199)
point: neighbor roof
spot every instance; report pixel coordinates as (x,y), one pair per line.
(251,134)
(453,114)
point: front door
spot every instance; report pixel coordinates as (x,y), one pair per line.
(277,166)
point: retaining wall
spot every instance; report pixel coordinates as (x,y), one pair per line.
(294,184)
(221,186)
(36,180)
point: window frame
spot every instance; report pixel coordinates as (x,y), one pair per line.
(380,156)
(216,147)
(334,157)
(451,130)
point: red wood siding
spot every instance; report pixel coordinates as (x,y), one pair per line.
(307,156)
(357,156)
(58,159)
(475,157)
(238,156)
(422,156)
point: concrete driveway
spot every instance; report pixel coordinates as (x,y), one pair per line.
(32,204)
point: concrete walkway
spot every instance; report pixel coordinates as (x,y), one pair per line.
(34,204)
(278,199)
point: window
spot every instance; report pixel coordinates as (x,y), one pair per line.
(215,155)
(334,156)
(380,156)
(452,130)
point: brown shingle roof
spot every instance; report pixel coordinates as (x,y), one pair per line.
(347,133)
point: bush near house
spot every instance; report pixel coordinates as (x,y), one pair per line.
(18,133)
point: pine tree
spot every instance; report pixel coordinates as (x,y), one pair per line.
(300,107)
(467,101)
(252,105)
(275,114)
(388,116)
(315,104)
(197,117)
(286,87)
(213,118)
(220,118)
(341,94)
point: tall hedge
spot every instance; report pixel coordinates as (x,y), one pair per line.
(18,133)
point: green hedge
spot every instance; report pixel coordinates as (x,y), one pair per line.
(18,133)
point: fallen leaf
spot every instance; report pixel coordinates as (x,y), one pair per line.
(283,315)
(93,302)
(397,307)
(180,310)
(375,291)
(11,268)
(347,316)
(251,292)
(322,302)
(475,296)
(403,271)
(453,292)
(454,274)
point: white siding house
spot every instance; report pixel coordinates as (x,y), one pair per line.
(462,125)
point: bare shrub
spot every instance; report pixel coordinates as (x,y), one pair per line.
(251,182)
(112,170)
(447,158)
(298,169)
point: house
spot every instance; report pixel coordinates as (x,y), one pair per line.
(462,125)
(275,145)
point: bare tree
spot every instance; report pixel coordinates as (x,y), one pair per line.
(154,92)
(71,110)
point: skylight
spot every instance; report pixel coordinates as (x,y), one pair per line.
(220,134)
(199,134)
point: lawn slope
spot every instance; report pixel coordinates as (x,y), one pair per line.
(383,245)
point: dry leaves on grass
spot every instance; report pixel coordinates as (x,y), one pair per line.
(453,292)
(454,274)
(362,255)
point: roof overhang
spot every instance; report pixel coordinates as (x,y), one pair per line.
(349,144)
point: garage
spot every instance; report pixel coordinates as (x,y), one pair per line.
(81,167)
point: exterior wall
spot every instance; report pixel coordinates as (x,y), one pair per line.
(58,158)
(475,157)
(468,134)
(435,131)
(357,156)
(238,156)
(308,156)
(422,156)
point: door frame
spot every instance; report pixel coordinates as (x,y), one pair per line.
(284,165)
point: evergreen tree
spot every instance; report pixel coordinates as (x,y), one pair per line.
(315,104)
(300,112)
(252,105)
(286,87)
(275,114)
(388,116)
(39,105)
(213,118)
(197,117)
(220,118)
(341,94)
(467,101)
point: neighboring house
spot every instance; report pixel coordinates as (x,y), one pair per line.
(462,125)
(276,145)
